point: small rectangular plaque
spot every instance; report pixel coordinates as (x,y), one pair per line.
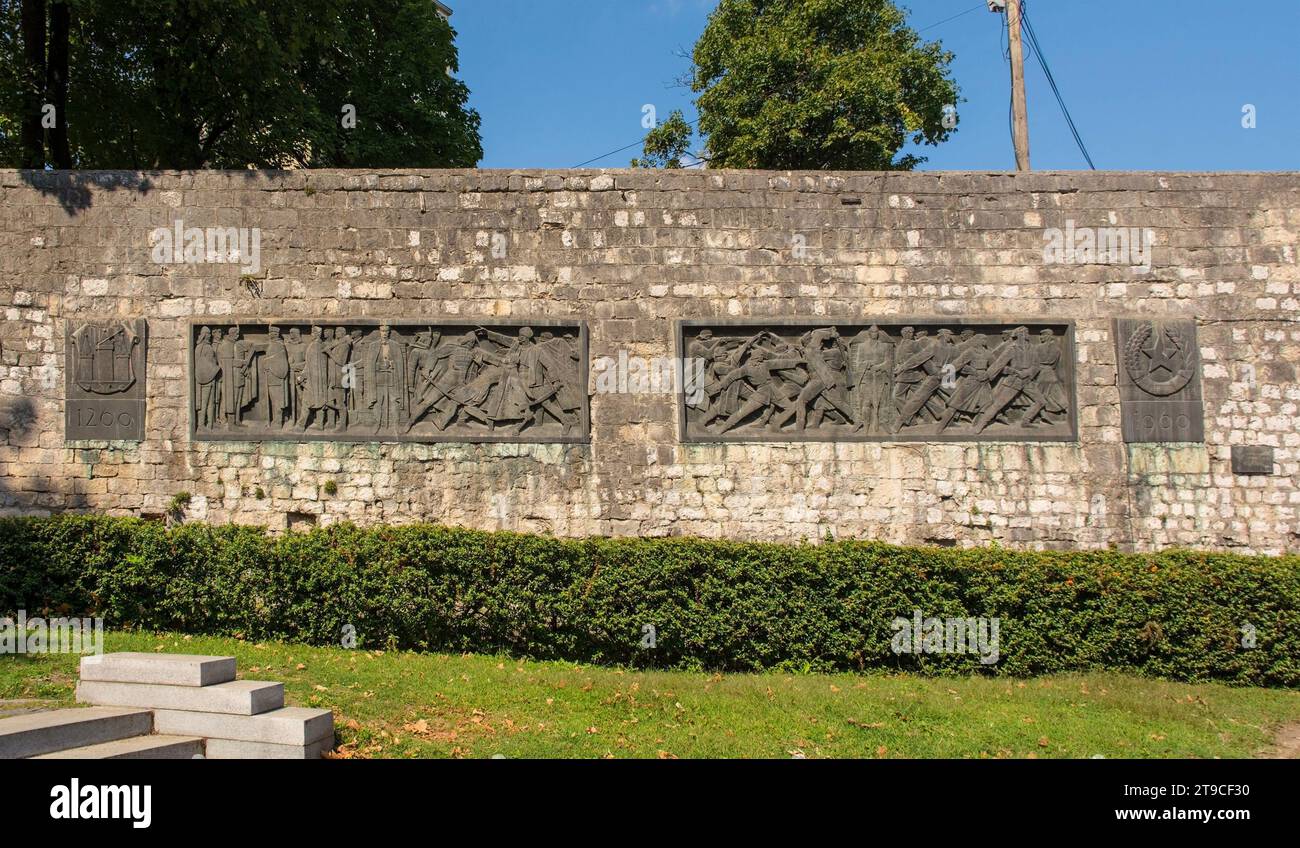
(1159,380)
(1252,459)
(104,366)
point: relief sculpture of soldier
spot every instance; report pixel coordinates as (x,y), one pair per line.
(316,381)
(239,379)
(387,377)
(871,365)
(207,385)
(879,382)
(277,376)
(826,391)
(562,363)
(297,350)
(768,390)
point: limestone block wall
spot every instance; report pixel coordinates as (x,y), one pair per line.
(630,252)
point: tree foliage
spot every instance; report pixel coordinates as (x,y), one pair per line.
(818,84)
(666,144)
(243,83)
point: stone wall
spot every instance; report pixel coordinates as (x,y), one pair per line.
(630,253)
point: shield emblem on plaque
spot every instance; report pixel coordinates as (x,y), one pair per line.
(105,356)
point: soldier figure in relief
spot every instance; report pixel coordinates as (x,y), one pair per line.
(207,372)
(388,371)
(446,384)
(359,377)
(318,398)
(928,360)
(769,391)
(1046,382)
(1012,369)
(872,370)
(275,362)
(561,361)
(972,390)
(342,376)
(705,350)
(239,379)
(297,350)
(827,388)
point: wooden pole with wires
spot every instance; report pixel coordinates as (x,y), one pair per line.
(1019,108)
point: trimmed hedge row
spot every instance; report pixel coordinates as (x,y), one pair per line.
(712,604)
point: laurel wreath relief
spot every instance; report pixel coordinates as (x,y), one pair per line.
(1142,366)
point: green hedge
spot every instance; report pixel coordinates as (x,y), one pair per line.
(714,605)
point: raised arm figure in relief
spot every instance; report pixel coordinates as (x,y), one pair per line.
(972,391)
(770,393)
(1011,371)
(827,388)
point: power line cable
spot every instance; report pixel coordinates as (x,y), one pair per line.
(1051,81)
(954,17)
(625,147)
(696,120)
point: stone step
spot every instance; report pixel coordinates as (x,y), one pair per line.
(286,726)
(235,749)
(235,697)
(164,669)
(151,747)
(34,734)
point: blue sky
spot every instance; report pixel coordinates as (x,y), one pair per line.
(1152,84)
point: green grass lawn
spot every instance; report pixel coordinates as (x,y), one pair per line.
(436,705)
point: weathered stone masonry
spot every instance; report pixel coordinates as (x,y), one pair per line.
(631,253)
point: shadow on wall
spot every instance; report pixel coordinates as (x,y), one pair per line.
(73,188)
(20,426)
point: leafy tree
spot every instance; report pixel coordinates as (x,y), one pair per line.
(11,89)
(666,144)
(817,84)
(235,84)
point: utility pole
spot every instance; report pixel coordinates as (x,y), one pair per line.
(1019,109)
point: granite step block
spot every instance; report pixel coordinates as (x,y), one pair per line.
(152,747)
(34,734)
(163,669)
(235,697)
(285,726)
(235,749)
